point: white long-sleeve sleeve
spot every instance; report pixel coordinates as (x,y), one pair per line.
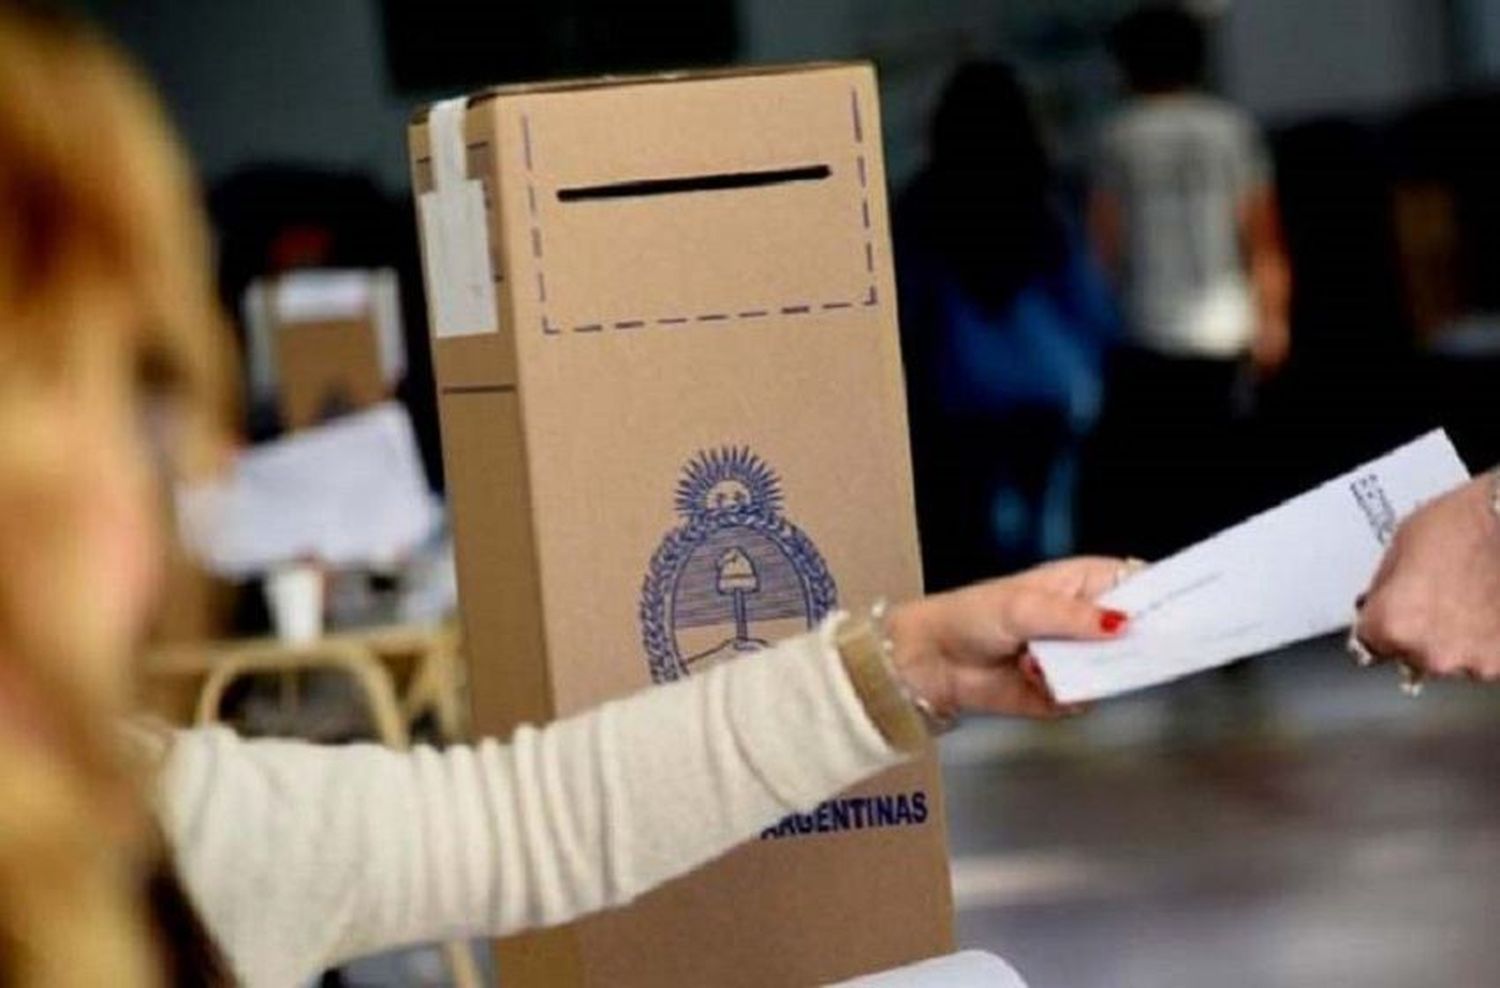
(302,856)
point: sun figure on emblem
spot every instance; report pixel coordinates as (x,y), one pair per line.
(735,575)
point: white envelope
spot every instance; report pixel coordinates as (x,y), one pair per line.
(966,969)
(1286,575)
(348,493)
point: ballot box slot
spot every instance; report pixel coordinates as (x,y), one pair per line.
(686,184)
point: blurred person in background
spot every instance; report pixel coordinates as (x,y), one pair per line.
(115,375)
(1005,316)
(1184,214)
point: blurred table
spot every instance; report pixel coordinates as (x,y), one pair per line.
(401,672)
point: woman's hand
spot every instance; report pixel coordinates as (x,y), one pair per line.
(965,650)
(1435,602)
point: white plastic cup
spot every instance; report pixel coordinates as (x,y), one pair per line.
(294,594)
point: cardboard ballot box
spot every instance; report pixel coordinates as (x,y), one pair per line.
(664,332)
(324,343)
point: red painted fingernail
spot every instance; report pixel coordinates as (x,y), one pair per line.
(1113,622)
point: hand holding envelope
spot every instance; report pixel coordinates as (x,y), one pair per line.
(965,650)
(1434,605)
(1286,575)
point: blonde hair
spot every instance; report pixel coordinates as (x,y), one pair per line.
(105,294)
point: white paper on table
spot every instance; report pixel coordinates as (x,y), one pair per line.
(1286,575)
(348,493)
(967,969)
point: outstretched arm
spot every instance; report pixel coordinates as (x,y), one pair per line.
(301,856)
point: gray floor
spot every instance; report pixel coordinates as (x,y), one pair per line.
(1302,824)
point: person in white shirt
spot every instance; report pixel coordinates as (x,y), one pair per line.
(1183,212)
(291,857)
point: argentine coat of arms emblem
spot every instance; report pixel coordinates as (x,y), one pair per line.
(735,576)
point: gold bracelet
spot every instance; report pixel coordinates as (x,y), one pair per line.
(869,655)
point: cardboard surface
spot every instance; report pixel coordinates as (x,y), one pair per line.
(687,439)
(323,367)
(322,342)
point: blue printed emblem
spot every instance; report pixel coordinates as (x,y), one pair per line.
(735,575)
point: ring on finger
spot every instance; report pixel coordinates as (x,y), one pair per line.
(1130,567)
(1412,679)
(1363,655)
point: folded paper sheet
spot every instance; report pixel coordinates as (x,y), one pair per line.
(1286,575)
(349,493)
(968,969)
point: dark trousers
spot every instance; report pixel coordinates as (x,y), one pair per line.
(1172,459)
(961,464)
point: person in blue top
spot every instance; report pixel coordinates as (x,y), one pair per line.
(1005,316)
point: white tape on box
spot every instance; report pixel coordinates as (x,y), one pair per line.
(455,238)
